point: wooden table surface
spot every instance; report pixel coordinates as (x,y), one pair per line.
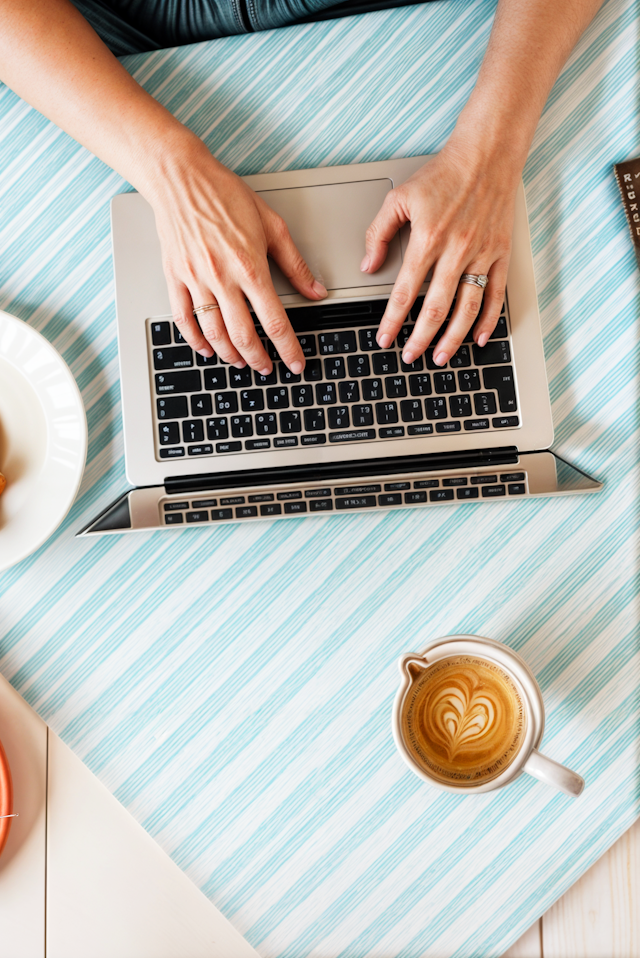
(79,878)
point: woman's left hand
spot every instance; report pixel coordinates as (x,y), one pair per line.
(460,207)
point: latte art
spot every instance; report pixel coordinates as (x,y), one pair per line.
(463,719)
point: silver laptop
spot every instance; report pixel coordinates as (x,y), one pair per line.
(359,430)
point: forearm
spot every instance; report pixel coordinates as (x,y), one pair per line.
(529,44)
(53,59)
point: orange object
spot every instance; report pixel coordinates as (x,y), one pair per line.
(6,798)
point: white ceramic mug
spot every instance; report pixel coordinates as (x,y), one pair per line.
(528,759)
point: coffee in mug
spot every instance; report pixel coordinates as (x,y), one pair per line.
(469,717)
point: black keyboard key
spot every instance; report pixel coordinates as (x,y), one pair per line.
(313,371)
(204,503)
(372,389)
(339,417)
(396,387)
(292,508)
(221,514)
(278,398)
(491,492)
(226,402)
(403,336)
(283,442)
(505,422)
(268,380)
(334,343)
(266,424)
(186,382)
(334,368)
(240,378)
(349,391)
(315,439)
(436,408)
(206,360)
(200,516)
(385,364)
(241,427)
(201,405)
(447,427)
(413,367)
(358,365)
(272,352)
(391,432)
(469,380)
(355,502)
(173,506)
(286,376)
(444,382)
(501,379)
(317,493)
(174,407)
(455,481)
(169,433)
(314,420)
(218,428)
(290,422)
(177,335)
(426,484)
(175,358)
(357,490)
(485,404)
(228,447)
(321,505)
(173,518)
(367,338)
(472,425)
(353,435)
(362,415)
(193,430)
(393,486)
(516,488)
(386,413)
(326,394)
(172,452)
(512,477)
(261,497)
(302,395)
(428,358)
(500,332)
(271,509)
(292,494)
(483,480)
(308,345)
(460,406)
(411,410)
(492,353)
(420,385)
(426,429)
(252,400)
(215,378)
(246,512)
(461,358)
(232,501)
(390,499)
(202,449)
(441,495)
(160,334)
(469,492)
(412,497)
(255,444)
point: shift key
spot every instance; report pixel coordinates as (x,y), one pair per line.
(183,382)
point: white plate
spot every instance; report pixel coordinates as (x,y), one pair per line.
(43,439)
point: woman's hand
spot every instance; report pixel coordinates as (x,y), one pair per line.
(215,235)
(461,214)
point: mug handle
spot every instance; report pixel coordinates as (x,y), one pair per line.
(552,773)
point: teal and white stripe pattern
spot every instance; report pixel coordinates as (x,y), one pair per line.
(233,686)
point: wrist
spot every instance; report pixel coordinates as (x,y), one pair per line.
(491,142)
(165,160)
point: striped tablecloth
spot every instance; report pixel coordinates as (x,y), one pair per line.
(233,686)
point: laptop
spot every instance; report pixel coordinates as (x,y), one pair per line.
(358,430)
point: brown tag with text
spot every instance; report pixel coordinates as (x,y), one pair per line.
(628,177)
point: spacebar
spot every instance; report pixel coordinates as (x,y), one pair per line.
(352,435)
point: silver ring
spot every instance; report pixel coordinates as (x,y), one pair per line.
(480,280)
(205,309)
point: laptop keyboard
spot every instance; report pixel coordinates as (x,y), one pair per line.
(350,391)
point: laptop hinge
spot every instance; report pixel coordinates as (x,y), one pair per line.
(328,471)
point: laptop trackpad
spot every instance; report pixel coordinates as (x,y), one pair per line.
(328,225)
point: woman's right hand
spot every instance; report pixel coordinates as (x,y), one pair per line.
(215,234)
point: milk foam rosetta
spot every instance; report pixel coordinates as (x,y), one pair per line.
(463,719)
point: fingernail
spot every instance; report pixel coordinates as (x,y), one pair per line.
(384,340)
(296,368)
(207,351)
(240,364)
(318,288)
(265,372)
(408,357)
(365,264)
(482,339)
(440,359)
